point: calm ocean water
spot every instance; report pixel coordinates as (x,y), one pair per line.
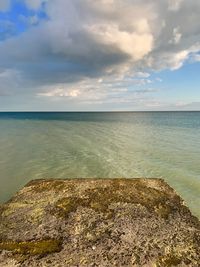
(135,144)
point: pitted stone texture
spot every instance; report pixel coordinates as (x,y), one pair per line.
(98,222)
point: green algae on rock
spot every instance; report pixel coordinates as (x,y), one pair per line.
(98,222)
(40,247)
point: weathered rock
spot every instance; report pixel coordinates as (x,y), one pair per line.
(98,222)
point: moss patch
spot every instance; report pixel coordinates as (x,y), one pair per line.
(12,207)
(169,260)
(40,247)
(100,198)
(38,186)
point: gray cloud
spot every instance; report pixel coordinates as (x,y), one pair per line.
(113,40)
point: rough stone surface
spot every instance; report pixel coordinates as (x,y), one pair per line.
(98,222)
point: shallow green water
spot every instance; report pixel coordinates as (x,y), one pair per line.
(68,145)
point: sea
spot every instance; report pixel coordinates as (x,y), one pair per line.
(35,145)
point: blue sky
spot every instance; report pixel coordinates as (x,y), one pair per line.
(21,17)
(99,55)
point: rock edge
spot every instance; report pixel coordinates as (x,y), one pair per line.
(98,222)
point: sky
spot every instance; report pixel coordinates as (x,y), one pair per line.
(99,55)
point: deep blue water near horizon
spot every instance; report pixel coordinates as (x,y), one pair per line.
(36,145)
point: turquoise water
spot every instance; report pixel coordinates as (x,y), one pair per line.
(137,144)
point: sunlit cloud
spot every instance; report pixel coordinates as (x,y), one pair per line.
(84,49)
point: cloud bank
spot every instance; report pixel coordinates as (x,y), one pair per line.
(94,49)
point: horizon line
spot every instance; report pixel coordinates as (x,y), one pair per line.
(91,111)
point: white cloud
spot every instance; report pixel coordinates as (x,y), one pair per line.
(174,5)
(176,36)
(60,92)
(142,74)
(174,60)
(91,48)
(98,91)
(196,58)
(34,4)
(108,33)
(4,5)
(178,60)
(189,106)
(137,45)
